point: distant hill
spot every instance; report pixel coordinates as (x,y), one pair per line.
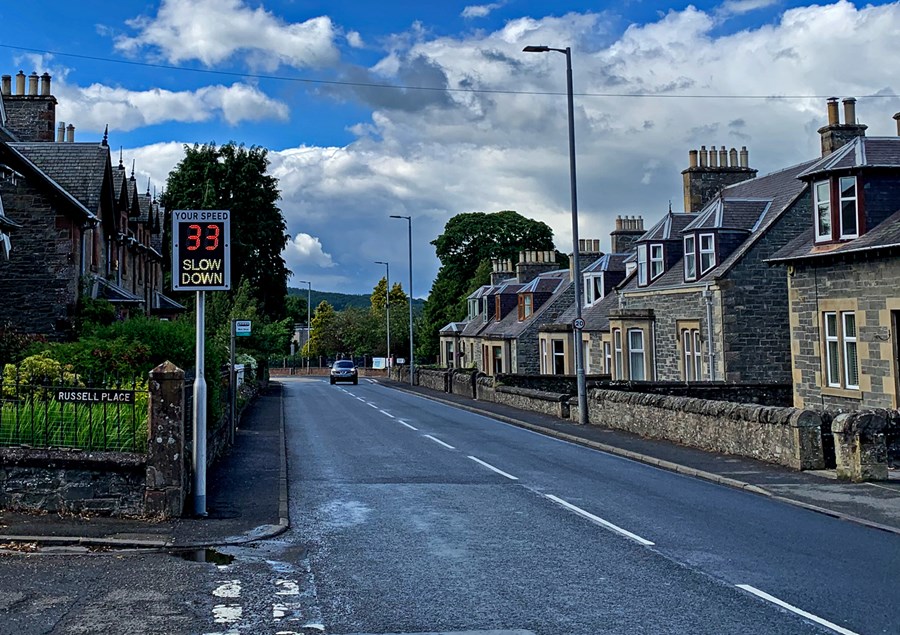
(341,301)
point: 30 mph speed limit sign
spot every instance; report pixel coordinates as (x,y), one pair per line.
(201,250)
(578,323)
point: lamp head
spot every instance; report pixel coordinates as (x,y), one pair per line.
(536,49)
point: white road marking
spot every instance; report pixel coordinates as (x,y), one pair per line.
(227,613)
(407,425)
(360,398)
(598,520)
(371,381)
(794,609)
(387,414)
(287,587)
(373,405)
(228,589)
(498,471)
(436,440)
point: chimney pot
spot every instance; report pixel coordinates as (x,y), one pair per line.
(723,157)
(897,118)
(20,83)
(849,110)
(703,155)
(6,85)
(70,133)
(45,84)
(745,157)
(33,83)
(61,132)
(692,158)
(733,158)
(833,119)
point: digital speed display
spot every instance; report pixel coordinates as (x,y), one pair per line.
(201,251)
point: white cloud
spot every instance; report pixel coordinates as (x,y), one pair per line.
(354,39)
(481,10)
(740,7)
(304,252)
(94,106)
(213,31)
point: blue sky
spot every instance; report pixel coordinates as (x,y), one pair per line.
(299,78)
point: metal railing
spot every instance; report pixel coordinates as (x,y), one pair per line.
(71,411)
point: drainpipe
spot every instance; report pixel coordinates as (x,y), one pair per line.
(710,348)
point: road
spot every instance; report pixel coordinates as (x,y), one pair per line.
(409,516)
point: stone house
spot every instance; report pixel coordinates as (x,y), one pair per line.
(843,273)
(76,235)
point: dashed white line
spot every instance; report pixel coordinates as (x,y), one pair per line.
(387,414)
(599,521)
(436,440)
(794,609)
(498,471)
(372,405)
(407,425)
(360,399)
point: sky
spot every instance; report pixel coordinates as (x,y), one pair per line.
(430,110)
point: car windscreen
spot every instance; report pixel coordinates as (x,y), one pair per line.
(343,364)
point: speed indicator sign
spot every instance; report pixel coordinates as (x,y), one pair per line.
(201,250)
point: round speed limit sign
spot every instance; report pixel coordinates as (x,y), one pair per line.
(578,323)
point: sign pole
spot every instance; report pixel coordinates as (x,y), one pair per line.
(233,385)
(200,411)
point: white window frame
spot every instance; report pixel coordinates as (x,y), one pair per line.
(690,258)
(544,365)
(657,261)
(617,351)
(832,350)
(607,358)
(707,251)
(633,351)
(642,265)
(698,355)
(592,292)
(561,354)
(847,342)
(821,204)
(849,199)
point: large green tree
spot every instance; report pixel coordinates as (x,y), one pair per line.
(468,242)
(399,319)
(234,177)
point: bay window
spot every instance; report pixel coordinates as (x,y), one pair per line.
(707,252)
(642,265)
(690,258)
(656,261)
(849,207)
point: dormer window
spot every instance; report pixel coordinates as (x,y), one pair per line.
(526,305)
(657,265)
(690,258)
(849,208)
(837,209)
(707,252)
(593,288)
(642,265)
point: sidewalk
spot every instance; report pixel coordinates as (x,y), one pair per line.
(246,499)
(873,504)
(247,490)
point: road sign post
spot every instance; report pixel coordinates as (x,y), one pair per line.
(201,261)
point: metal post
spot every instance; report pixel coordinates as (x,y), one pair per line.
(233,383)
(308,323)
(199,450)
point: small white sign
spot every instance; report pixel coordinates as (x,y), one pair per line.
(578,323)
(242,327)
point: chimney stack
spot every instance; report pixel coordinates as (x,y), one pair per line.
(836,134)
(45,85)
(30,112)
(628,230)
(20,83)
(897,119)
(718,168)
(6,84)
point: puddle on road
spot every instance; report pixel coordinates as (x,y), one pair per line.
(205,555)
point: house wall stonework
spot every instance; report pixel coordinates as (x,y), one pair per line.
(39,283)
(871,288)
(756,336)
(528,359)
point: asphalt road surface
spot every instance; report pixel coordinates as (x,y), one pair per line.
(411,517)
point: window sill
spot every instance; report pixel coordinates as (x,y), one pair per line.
(847,393)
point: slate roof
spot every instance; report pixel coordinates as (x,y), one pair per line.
(596,316)
(669,228)
(885,236)
(79,168)
(114,293)
(871,152)
(453,327)
(608,262)
(731,213)
(165,303)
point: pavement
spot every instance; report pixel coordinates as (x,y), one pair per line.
(247,490)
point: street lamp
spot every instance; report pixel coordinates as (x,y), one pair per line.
(308,324)
(578,323)
(412,367)
(387,310)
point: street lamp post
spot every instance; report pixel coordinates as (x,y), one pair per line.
(412,366)
(576,265)
(308,323)
(387,311)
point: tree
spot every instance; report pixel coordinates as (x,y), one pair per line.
(465,249)
(295,309)
(323,339)
(399,318)
(234,177)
